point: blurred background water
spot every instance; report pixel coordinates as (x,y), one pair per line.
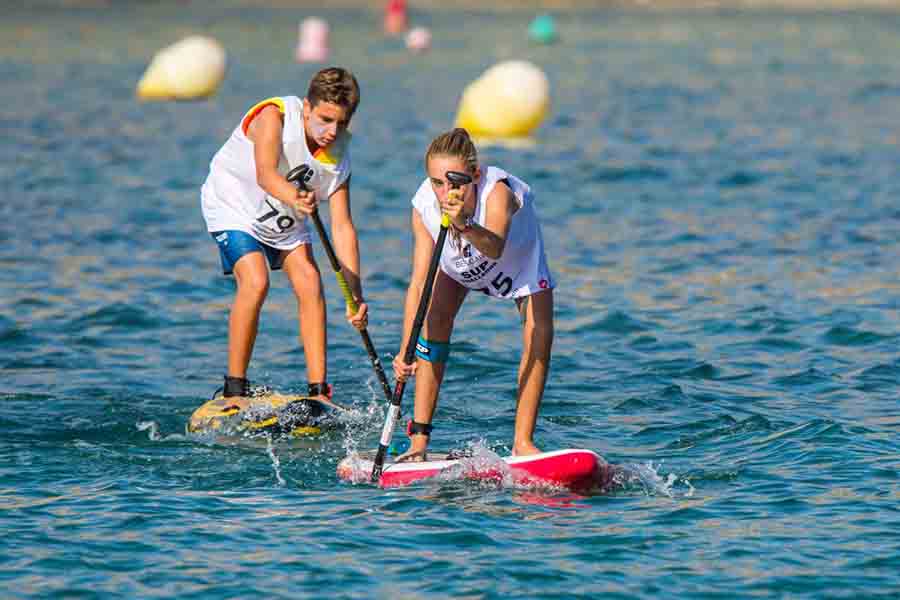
(718,194)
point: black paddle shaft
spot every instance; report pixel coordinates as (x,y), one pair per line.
(457,180)
(297,176)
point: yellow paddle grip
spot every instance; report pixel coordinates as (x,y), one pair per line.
(345,290)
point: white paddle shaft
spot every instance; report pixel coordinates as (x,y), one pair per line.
(388,430)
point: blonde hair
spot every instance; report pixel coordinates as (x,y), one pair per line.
(455,143)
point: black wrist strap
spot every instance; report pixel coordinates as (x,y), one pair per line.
(416,428)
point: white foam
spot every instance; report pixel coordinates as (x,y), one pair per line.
(648,477)
(276,462)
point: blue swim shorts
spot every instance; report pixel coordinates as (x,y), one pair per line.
(235,244)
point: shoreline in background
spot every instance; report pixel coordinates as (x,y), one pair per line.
(538,6)
(533,6)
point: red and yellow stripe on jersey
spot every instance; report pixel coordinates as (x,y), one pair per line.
(251,114)
(333,153)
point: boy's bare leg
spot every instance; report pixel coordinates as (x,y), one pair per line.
(306,280)
(537,340)
(252,278)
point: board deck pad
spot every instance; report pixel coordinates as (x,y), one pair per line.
(574,469)
(271,413)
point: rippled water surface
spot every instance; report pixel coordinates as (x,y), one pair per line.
(719,196)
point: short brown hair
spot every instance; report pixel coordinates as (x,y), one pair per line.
(335,85)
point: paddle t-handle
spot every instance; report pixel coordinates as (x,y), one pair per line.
(457,180)
(297,176)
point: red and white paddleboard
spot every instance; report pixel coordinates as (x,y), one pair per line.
(573,469)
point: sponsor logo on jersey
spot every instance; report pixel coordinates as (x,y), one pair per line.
(466,259)
(482,269)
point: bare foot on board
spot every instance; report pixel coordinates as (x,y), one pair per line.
(525,449)
(412,456)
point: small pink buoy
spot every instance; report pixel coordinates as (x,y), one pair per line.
(312,42)
(418,39)
(395,17)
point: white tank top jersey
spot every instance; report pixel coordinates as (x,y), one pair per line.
(522,268)
(231,198)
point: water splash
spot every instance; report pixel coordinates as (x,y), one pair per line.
(355,469)
(153,434)
(276,462)
(480,465)
(479,462)
(152,429)
(358,427)
(359,423)
(647,478)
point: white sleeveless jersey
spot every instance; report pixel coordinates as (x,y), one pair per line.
(522,268)
(231,198)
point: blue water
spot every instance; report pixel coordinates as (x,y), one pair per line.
(718,193)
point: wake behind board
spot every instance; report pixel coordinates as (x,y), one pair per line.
(574,469)
(270,413)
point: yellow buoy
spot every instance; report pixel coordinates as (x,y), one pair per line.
(509,100)
(191,68)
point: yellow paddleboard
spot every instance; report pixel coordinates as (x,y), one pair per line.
(269,413)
